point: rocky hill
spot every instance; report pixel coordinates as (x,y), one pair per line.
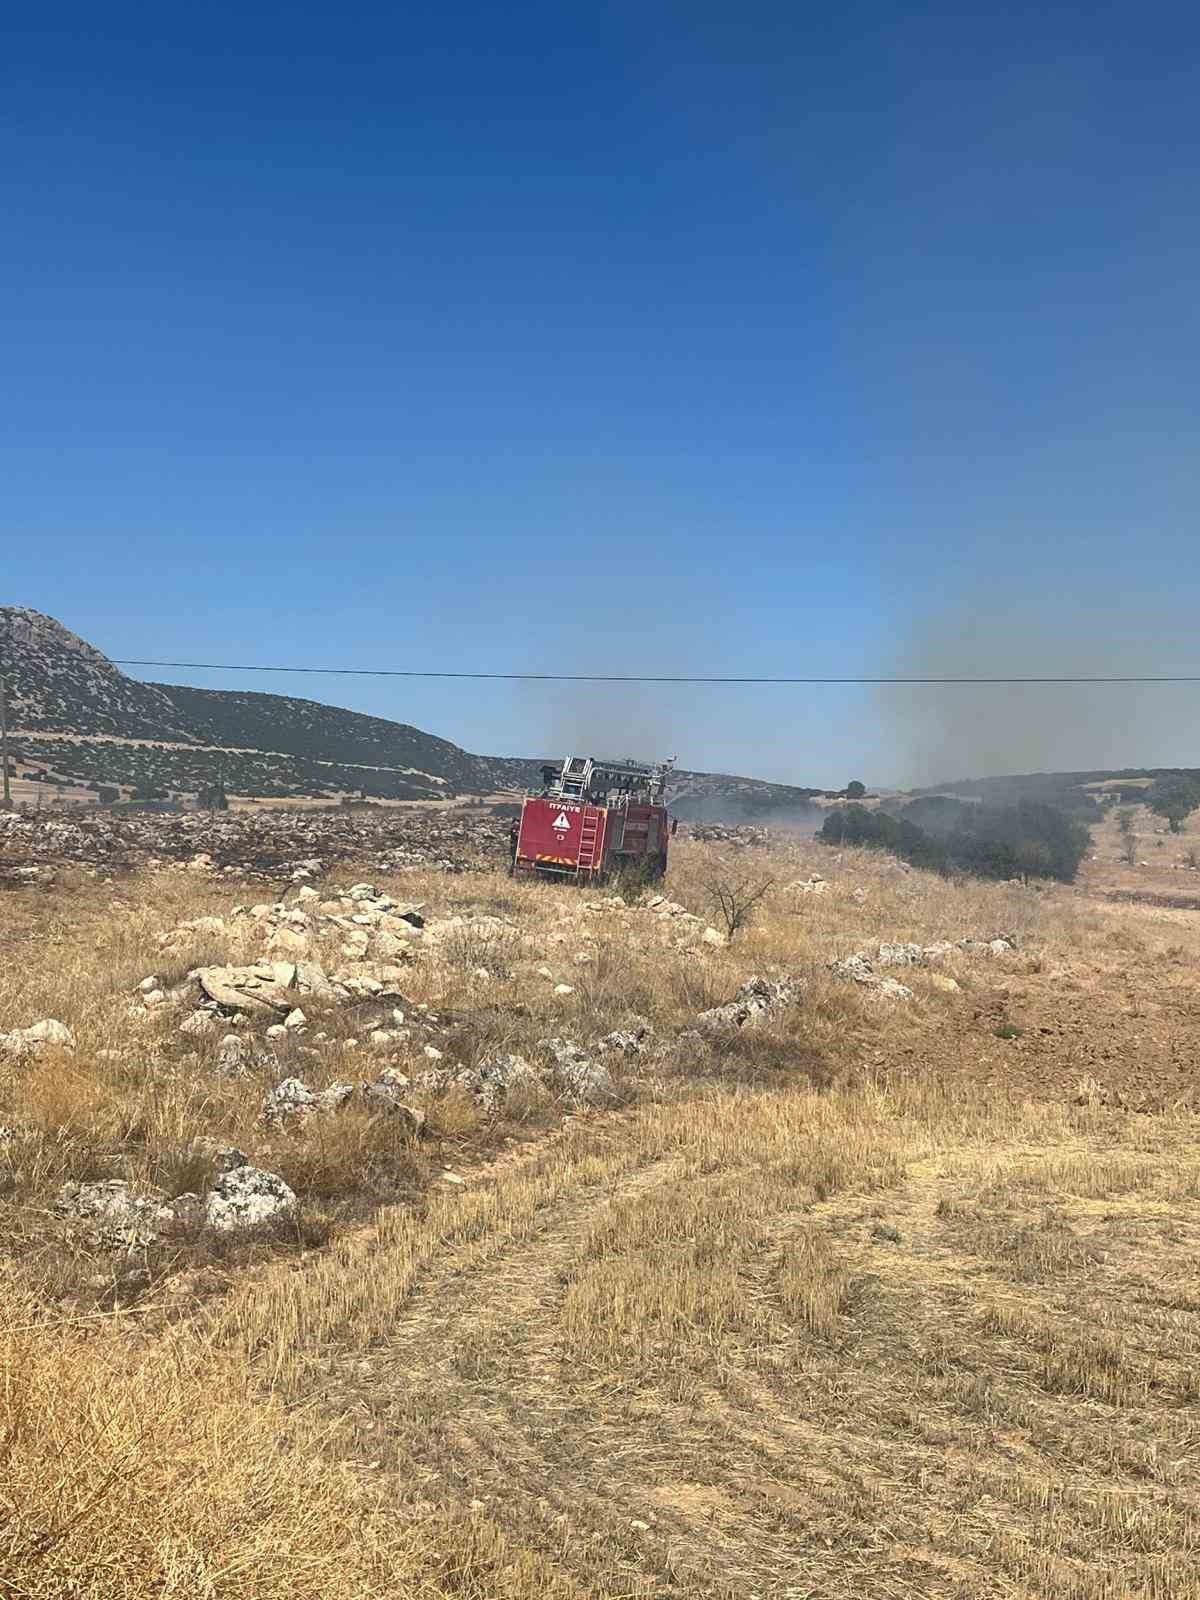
(80,724)
(79,721)
(58,683)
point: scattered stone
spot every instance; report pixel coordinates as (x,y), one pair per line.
(855,969)
(563,988)
(582,1077)
(288,1099)
(629,1041)
(295,1019)
(389,1093)
(740,835)
(198,1024)
(493,1080)
(30,1041)
(149,985)
(861,968)
(900,955)
(942,947)
(117,1215)
(246,1197)
(892,989)
(387,1038)
(261,843)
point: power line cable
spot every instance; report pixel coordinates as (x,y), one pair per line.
(605,677)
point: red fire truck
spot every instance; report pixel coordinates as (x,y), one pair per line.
(594,817)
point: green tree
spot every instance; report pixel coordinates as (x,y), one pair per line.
(1029,839)
(855,790)
(1174,798)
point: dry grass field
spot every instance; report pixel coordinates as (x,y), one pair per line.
(872,1298)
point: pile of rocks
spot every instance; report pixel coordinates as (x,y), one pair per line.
(366,920)
(577,1073)
(863,968)
(741,836)
(240,1196)
(756,997)
(493,1080)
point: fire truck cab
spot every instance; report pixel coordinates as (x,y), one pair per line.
(593,818)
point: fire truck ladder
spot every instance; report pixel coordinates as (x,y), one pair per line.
(589,832)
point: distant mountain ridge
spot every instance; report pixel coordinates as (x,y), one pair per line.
(78,719)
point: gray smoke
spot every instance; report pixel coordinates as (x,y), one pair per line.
(941,733)
(732,810)
(613,720)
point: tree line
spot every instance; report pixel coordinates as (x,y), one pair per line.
(1027,840)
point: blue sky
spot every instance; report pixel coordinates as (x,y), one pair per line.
(694,337)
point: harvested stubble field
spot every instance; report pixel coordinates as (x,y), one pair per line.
(871,1298)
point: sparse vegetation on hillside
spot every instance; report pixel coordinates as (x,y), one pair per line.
(79,722)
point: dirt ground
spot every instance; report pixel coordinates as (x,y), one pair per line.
(1107,1017)
(878,1299)
(1165,867)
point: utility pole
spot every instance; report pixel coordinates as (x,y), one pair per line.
(6,802)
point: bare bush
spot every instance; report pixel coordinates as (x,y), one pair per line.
(735,899)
